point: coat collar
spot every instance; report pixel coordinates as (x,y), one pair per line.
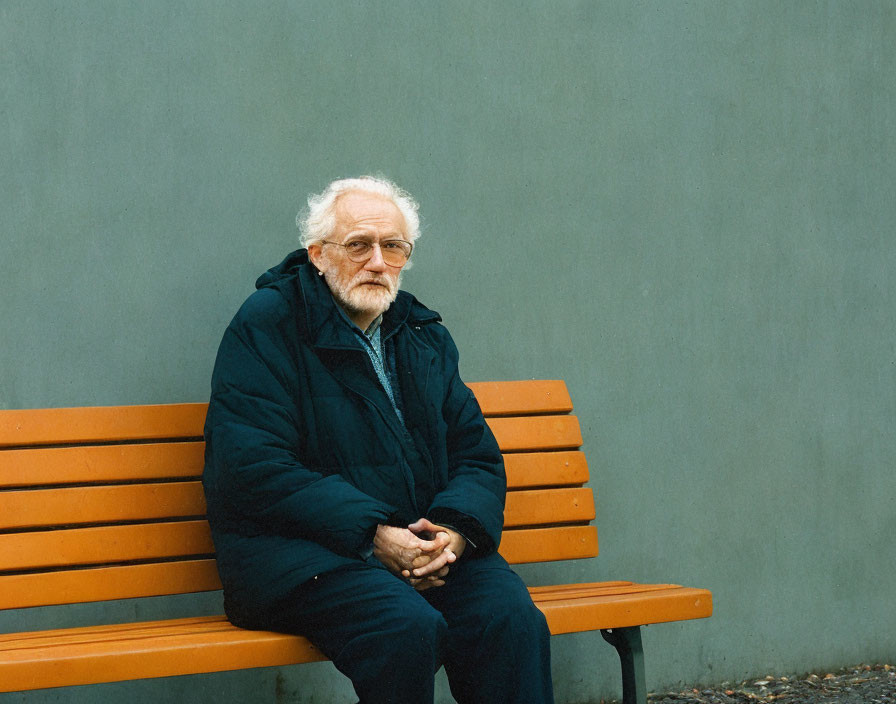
(297,279)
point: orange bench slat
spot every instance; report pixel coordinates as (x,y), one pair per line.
(546,506)
(59,426)
(103,544)
(106,583)
(595,589)
(95,464)
(637,608)
(100,504)
(100,463)
(514,398)
(159,649)
(526,469)
(142,502)
(521,433)
(158,541)
(519,546)
(68,426)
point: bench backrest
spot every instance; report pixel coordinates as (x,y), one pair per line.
(106,503)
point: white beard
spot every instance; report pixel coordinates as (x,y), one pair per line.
(355,297)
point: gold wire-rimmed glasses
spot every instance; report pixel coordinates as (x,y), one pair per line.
(395,253)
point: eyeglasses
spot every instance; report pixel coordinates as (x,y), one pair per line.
(395,252)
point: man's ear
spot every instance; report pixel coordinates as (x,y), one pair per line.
(315,254)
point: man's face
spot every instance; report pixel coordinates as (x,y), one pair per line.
(363,289)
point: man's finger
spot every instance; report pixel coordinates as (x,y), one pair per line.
(424,584)
(423,525)
(437,563)
(421,560)
(437,576)
(437,544)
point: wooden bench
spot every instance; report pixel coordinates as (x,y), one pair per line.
(106,503)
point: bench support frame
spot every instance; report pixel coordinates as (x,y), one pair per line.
(627,642)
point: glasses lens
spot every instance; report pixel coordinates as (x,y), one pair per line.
(395,252)
(358,250)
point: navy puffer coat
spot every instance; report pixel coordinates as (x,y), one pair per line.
(305,454)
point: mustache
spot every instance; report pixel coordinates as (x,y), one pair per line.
(385,281)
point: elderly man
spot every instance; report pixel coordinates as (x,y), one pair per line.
(354,491)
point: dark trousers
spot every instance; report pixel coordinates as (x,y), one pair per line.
(390,639)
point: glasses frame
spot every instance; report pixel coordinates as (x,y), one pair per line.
(373,243)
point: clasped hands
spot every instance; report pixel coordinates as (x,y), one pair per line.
(421,552)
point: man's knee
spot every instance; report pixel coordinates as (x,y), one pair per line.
(423,626)
(394,659)
(393,643)
(507,659)
(517,621)
(408,631)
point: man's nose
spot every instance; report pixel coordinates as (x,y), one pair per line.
(376,263)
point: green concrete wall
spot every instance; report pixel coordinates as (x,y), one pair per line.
(685,209)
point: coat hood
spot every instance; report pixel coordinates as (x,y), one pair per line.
(284,270)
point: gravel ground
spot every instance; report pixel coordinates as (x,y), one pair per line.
(862,684)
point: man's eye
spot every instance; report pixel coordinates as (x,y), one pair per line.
(390,245)
(357,246)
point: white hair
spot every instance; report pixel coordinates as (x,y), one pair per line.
(317,222)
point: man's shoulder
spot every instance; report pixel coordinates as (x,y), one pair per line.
(407,308)
(428,325)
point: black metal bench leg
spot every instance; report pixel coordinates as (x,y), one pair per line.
(627,642)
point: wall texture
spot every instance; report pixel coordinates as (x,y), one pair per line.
(684,209)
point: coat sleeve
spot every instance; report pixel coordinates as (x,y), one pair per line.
(473,500)
(254,434)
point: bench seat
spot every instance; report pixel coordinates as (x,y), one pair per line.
(99,504)
(114,653)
